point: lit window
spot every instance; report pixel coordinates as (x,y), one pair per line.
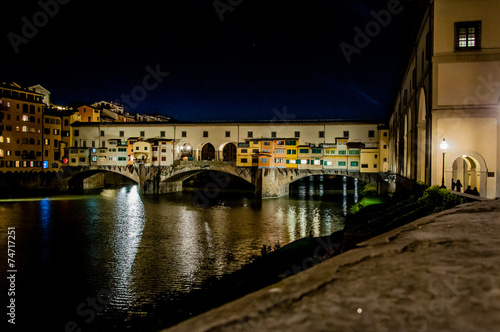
(467,35)
(1,139)
(25,129)
(26,118)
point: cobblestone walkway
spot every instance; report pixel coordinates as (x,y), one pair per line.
(439,273)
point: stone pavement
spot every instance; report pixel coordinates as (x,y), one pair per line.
(439,273)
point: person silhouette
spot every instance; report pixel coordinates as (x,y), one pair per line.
(459,185)
(475,192)
(468,190)
(453,184)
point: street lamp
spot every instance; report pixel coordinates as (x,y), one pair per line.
(444,146)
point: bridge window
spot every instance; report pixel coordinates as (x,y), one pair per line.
(263,160)
(273,134)
(354,163)
(321,134)
(297,134)
(228,134)
(244,151)
(342,152)
(183,134)
(342,163)
(205,134)
(122,133)
(142,134)
(162,133)
(250,134)
(346,134)
(244,160)
(102,133)
(371,133)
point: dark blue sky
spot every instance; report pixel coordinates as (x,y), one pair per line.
(263,55)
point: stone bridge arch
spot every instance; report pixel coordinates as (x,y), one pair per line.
(74,176)
(276,182)
(167,179)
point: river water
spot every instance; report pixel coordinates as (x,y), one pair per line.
(109,259)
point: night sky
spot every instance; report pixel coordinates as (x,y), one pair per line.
(246,60)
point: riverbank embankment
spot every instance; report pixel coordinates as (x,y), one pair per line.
(438,273)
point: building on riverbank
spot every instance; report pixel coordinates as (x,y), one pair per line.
(450,90)
(21,128)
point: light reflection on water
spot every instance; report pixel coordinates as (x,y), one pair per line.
(147,248)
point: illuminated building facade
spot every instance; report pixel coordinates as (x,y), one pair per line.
(450,91)
(21,135)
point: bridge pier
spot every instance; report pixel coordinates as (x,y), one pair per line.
(152,187)
(271,184)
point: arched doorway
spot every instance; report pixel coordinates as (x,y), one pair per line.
(467,170)
(208,152)
(186,152)
(229,152)
(470,168)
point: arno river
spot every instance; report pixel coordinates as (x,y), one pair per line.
(112,260)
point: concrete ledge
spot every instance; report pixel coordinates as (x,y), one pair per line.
(439,273)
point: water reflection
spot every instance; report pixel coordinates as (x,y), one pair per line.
(344,195)
(356,190)
(129,217)
(147,249)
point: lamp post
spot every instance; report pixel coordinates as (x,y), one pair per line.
(444,146)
